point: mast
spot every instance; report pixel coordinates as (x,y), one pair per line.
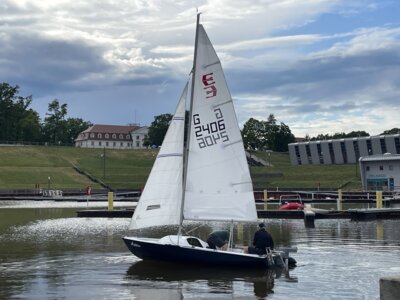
(186,150)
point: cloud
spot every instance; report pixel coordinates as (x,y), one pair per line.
(108,59)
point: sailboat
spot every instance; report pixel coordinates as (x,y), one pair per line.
(208,180)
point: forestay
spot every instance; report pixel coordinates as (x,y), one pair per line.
(161,200)
(218,183)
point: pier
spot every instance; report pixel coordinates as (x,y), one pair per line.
(353,214)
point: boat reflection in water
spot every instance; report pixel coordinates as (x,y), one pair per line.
(220,280)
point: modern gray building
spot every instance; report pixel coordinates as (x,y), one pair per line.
(342,151)
(380,172)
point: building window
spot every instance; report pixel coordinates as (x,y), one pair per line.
(122,144)
(114,144)
(356,150)
(137,144)
(380,168)
(369,147)
(332,153)
(391,167)
(308,151)
(296,149)
(99,143)
(397,144)
(107,144)
(344,153)
(128,136)
(367,168)
(321,157)
(92,143)
(137,137)
(114,136)
(107,136)
(383,145)
(99,136)
(121,137)
(92,135)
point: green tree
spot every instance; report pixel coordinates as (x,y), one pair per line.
(74,126)
(157,130)
(17,121)
(253,134)
(264,135)
(391,131)
(54,126)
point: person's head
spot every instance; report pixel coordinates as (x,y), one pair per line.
(261,226)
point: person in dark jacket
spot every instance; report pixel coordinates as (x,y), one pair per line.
(218,239)
(262,240)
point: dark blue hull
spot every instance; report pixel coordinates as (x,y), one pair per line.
(147,250)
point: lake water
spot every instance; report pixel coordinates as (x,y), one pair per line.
(48,253)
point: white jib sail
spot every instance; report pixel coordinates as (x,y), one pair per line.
(161,200)
(218,183)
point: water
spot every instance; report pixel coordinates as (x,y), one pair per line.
(48,253)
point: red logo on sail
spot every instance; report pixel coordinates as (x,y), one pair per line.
(209,85)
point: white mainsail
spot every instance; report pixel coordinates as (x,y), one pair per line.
(218,182)
(161,200)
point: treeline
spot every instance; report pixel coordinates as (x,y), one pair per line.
(342,135)
(20,123)
(257,135)
(267,135)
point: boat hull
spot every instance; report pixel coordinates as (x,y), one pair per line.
(151,250)
(291,206)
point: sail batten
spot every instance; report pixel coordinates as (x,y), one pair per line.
(222,103)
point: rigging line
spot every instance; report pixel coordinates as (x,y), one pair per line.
(193,229)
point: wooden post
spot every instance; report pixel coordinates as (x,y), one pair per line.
(379,230)
(110,200)
(265,200)
(378,199)
(339,200)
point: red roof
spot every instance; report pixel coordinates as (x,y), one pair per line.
(98,128)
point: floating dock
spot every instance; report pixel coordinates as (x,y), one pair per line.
(353,214)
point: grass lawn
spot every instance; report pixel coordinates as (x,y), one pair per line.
(26,166)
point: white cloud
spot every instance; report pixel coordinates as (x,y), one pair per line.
(315,81)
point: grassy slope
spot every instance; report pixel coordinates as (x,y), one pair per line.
(307,176)
(23,167)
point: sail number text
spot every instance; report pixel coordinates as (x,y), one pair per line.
(211,133)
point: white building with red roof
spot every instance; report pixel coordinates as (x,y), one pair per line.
(112,136)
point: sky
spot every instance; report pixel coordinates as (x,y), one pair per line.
(320,66)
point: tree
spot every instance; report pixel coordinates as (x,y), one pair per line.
(253,134)
(391,131)
(282,138)
(263,135)
(54,124)
(157,130)
(339,135)
(74,126)
(17,121)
